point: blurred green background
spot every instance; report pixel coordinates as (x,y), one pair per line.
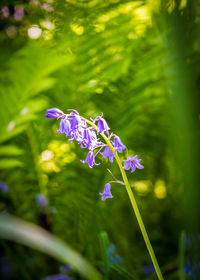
(138,63)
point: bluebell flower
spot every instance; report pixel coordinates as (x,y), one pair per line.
(118,145)
(65,127)
(108,153)
(86,134)
(90,139)
(106,193)
(62,277)
(133,163)
(113,257)
(54,113)
(148,269)
(41,200)
(75,121)
(187,268)
(3,187)
(65,268)
(102,126)
(77,134)
(190,271)
(90,159)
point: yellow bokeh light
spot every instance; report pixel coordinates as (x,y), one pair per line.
(99,27)
(99,90)
(47,155)
(160,189)
(142,13)
(183,4)
(140,29)
(56,156)
(171,6)
(50,166)
(78,29)
(142,187)
(48,24)
(47,35)
(34,32)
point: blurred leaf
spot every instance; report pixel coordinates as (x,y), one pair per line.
(28,234)
(10,150)
(10,163)
(182,275)
(104,242)
(26,75)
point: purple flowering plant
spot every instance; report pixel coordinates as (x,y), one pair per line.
(41,200)
(86,133)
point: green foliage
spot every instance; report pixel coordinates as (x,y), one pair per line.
(138,63)
(35,237)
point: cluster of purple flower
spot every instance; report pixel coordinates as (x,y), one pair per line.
(76,128)
(18,13)
(46,7)
(6,12)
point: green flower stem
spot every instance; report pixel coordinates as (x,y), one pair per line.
(134,205)
(139,219)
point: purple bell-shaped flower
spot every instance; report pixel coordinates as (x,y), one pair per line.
(106,193)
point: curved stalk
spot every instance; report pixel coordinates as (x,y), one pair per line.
(134,205)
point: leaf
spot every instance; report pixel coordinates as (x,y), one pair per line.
(104,242)
(28,234)
(24,77)
(10,150)
(10,163)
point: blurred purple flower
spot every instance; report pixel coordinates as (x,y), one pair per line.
(47,7)
(133,163)
(191,271)
(41,200)
(148,269)
(62,277)
(3,187)
(5,12)
(54,113)
(102,126)
(106,193)
(90,159)
(113,258)
(108,153)
(58,277)
(19,13)
(65,268)
(187,268)
(118,145)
